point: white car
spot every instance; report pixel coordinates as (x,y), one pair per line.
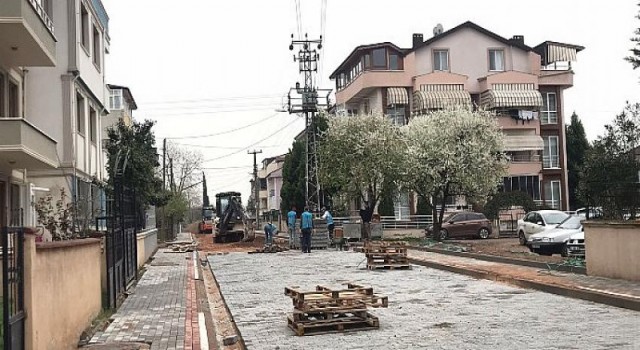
(555,241)
(539,221)
(575,245)
(594,213)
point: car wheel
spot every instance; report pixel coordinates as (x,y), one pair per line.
(565,251)
(522,238)
(483,233)
(443,234)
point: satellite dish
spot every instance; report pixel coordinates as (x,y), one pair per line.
(438,29)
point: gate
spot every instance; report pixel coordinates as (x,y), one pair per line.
(13,288)
(121,242)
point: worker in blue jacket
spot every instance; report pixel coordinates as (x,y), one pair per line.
(306,226)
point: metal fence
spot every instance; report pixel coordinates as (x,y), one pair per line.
(390,222)
(13,313)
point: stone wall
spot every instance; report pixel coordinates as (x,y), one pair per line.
(613,249)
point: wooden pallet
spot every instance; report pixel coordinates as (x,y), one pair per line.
(389,267)
(338,325)
(272,249)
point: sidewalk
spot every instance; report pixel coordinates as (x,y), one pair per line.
(163,309)
(620,293)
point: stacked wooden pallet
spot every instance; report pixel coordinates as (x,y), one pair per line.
(319,240)
(386,255)
(327,310)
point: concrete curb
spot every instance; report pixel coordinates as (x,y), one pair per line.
(240,340)
(505,260)
(589,295)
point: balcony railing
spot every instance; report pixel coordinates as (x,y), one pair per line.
(549,162)
(553,204)
(562,66)
(42,13)
(524,158)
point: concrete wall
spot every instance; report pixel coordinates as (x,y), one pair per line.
(62,291)
(147,245)
(612,250)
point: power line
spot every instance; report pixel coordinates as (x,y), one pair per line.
(298,18)
(224,147)
(253,144)
(252,108)
(228,167)
(208,107)
(250,97)
(225,132)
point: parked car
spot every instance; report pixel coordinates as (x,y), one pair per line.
(538,221)
(594,213)
(575,245)
(463,224)
(555,241)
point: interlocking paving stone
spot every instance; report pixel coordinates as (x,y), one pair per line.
(428,309)
(157,305)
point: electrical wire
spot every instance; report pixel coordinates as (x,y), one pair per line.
(203,113)
(224,132)
(223,147)
(323,20)
(253,144)
(298,18)
(211,107)
(232,98)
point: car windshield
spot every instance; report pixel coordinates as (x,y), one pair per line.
(571,223)
(554,218)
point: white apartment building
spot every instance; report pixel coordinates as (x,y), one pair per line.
(52,100)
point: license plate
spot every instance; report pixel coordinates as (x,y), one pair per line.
(535,245)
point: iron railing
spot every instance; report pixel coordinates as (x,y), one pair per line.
(551,162)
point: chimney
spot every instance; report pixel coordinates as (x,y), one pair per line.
(517,39)
(417,40)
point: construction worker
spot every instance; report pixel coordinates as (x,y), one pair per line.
(291,226)
(306,226)
(330,226)
(269,231)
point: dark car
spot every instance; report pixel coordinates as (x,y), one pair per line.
(464,224)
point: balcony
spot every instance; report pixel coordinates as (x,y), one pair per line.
(368,80)
(524,164)
(551,162)
(556,77)
(27,34)
(24,146)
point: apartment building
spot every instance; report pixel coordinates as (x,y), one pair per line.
(471,66)
(270,178)
(52,94)
(121,106)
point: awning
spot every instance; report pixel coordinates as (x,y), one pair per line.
(428,100)
(560,53)
(511,98)
(523,143)
(397,96)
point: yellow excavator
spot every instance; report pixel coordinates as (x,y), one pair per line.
(231,220)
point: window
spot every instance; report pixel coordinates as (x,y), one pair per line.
(367,61)
(550,152)
(496,60)
(552,194)
(396,114)
(549,113)
(115,99)
(80,113)
(93,124)
(365,107)
(401,206)
(394,62)
(2,96)
(379,58)
(14,100)
(84,23)
(96,46)
(441,60)
(526,184)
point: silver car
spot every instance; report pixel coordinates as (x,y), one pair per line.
(539,221)
(555,241)
(575,245)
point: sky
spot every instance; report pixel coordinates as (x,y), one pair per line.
(213,74)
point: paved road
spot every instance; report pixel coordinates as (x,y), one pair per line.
(429,309)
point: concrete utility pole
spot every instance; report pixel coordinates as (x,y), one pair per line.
(305,101)
(173,183)
(164,163)
(256,185)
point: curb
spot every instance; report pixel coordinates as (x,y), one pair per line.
(505,260)
(593,296)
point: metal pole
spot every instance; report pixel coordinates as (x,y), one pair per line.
(256,189)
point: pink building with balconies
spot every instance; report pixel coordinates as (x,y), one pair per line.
(472,66)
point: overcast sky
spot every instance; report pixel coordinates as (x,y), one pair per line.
(202,67)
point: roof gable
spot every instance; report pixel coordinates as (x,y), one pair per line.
(363,48)
(471,25)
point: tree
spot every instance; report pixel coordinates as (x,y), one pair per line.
(454,152)
(136,143)
(611,167)
(424,206)
(386,207)
(577,147)
(634,59)
(294,178)
(359,154)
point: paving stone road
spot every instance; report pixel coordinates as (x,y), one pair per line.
(428,309)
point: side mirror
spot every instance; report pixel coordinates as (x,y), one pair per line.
(540,223)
